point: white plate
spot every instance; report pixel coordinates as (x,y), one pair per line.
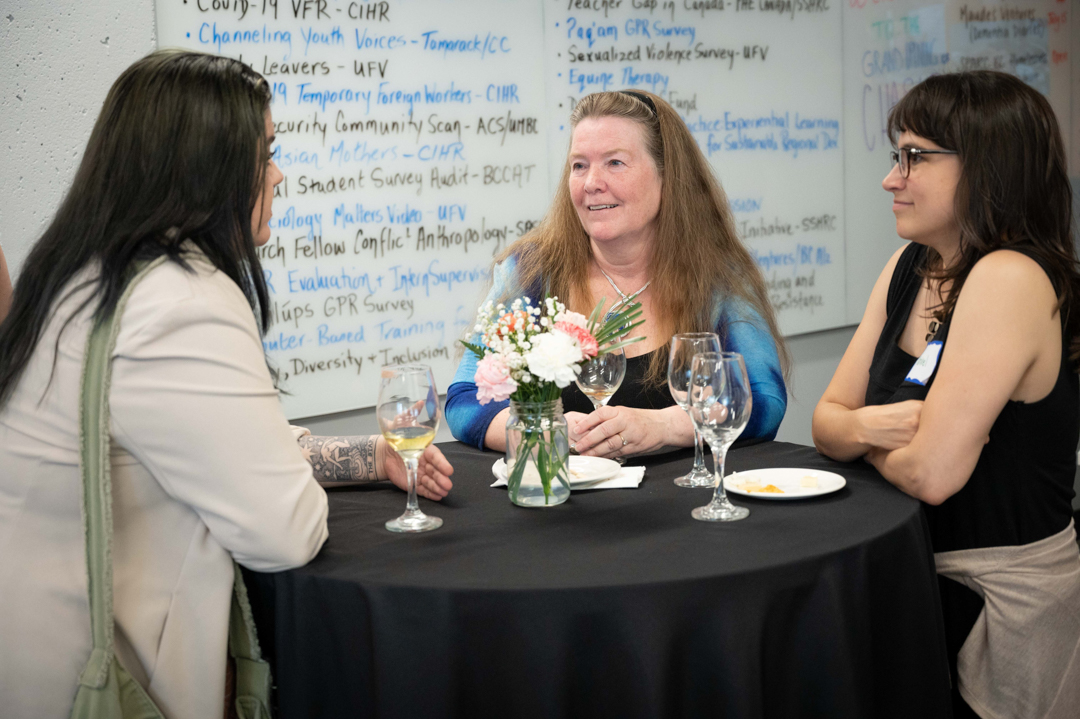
(789,479)
(583,470)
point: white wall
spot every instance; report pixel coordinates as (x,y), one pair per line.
(57,61)
(814,359)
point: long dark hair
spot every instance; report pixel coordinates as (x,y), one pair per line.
(176,154)
(697,256)
(1014,186)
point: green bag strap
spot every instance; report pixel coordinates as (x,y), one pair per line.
(97,483)
(253,677)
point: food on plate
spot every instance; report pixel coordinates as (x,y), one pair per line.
(809,481)
(749,485)
(770,488)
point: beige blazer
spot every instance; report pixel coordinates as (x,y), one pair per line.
(204,469)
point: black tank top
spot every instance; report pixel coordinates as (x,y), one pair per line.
(1021,489)
(631,393)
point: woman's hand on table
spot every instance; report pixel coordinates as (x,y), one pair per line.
(621,431)
(433,477)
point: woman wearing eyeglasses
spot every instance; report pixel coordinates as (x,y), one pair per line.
(960,383)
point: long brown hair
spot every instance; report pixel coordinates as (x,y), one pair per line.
(1014,186)
(177,154)
(697,257)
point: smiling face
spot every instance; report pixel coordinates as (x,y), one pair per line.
(923,201)
(260,216)
(614,183)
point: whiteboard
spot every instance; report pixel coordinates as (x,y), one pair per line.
(891,45)
(420,137)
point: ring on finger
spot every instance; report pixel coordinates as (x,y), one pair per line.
(623,440)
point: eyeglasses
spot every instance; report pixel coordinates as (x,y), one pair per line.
(904,155)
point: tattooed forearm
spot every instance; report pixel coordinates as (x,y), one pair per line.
(340,459)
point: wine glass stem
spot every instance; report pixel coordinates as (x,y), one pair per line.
(719,459)
(411,469)
(699,453)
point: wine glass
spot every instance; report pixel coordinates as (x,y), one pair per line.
(683,348)
(600,378)
(408,414)
(720,405)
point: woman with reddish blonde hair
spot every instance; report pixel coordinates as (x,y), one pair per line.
(638,214)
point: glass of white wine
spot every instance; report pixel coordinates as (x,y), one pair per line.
(408,414)
(683,348)
(720,406)
(601,377)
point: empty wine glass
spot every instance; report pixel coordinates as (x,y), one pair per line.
(720,405)
(408,414)
(683,348)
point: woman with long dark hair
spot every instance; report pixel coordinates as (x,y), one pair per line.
(204,466)
(960,384)
(5,286)
(638,214)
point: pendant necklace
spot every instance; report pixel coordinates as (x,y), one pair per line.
(625,298)
(934,324)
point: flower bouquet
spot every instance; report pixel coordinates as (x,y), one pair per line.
(528,354)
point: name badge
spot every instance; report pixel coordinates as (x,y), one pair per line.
(926,364)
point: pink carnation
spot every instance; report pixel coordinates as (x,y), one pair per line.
(493,380)
(584,338)
(574,318)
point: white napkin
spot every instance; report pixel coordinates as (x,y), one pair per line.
(627,478)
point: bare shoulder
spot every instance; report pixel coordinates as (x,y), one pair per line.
(1007,275)
(875,307)
(890,266)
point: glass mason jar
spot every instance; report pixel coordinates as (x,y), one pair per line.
(537,454)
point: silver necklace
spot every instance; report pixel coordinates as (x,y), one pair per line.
(626,299)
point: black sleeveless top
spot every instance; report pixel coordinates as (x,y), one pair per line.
(631,393)
(1021,489)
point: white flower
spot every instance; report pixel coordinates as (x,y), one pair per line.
(574,318)
(555,358)
(526,378)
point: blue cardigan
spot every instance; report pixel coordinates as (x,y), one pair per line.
(741,330)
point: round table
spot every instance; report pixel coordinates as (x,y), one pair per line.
(616,603)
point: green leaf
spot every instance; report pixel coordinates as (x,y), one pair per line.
(542,467)
(620,345)
(606,337)
(478,350)
(595,316)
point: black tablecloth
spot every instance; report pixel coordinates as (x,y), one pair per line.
(615,604)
